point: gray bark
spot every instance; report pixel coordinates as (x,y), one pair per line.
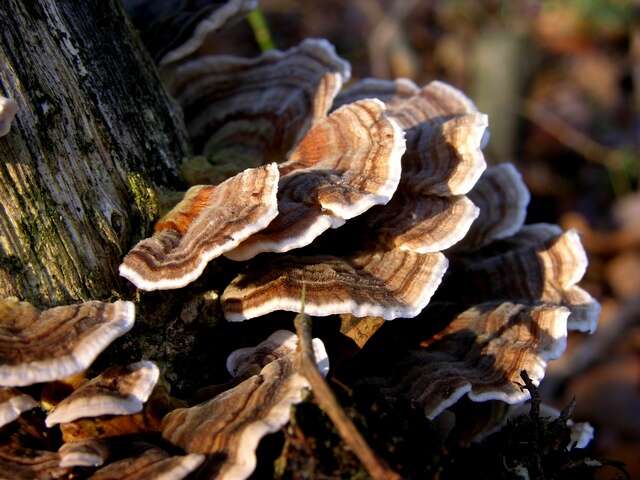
(94,131)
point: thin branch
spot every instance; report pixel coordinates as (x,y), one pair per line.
(327,401)
(261,30)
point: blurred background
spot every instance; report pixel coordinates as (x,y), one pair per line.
(560,81)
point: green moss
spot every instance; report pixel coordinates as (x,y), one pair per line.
(146,203)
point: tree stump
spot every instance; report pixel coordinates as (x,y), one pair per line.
(95,129)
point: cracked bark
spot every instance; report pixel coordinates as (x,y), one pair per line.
(94,131)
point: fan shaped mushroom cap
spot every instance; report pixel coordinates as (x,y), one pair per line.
(443,159)
(174,29)
(250,360)
(434,102)
(151,463)
(229,12)
(56,343)
(232,423)
(344,165)
(117,391)
(444,156)
(86,453)
(481,354)
(387,284)
(538,264)
(502,198)
(391,92)
(8,110)
(209,221)
(423,224)
(12,403)
(18,461)
(252,111)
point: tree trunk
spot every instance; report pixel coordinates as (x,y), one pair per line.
(93,130)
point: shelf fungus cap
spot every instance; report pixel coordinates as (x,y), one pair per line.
(481,354)
(245,112)
(388,284)
(502,198)
(541,263)
(8,110)
(53,344)
(391,92)
(210,220)
(18,461)
(250,360)
(435,101)
(151,463)
(423,223)
(86,453)
(345,164)
(231,424)
(117,391)
(12,403)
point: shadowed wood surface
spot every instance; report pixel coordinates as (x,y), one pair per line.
(94,127)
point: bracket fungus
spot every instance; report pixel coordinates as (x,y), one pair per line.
(117,391)
(247,112)
(481,354)
(209,221)
(397,265)
(53,344)
(502,198)
(538,264)
(12,403)
(285,159)
(23,462)
(8,110)
(385,284)
(344,165)
(229,427)
(250,360)
(150,462)
(87,453)
(172,31)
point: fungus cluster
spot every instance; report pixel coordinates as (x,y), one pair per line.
(369,201)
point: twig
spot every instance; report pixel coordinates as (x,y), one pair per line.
(260,30)
(327,401)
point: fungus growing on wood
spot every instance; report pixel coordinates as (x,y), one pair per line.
(502,199)
(8,110)
(87,453)
(397,265)
(172,31)
(117,391)
(12,403)
(20,461)
(538,264)
(247,112)
(210,220)
(250,360)
(481,354)
(53,344)
(391,92)
(386,284)
(150,462)
(345,164)
(230,425)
